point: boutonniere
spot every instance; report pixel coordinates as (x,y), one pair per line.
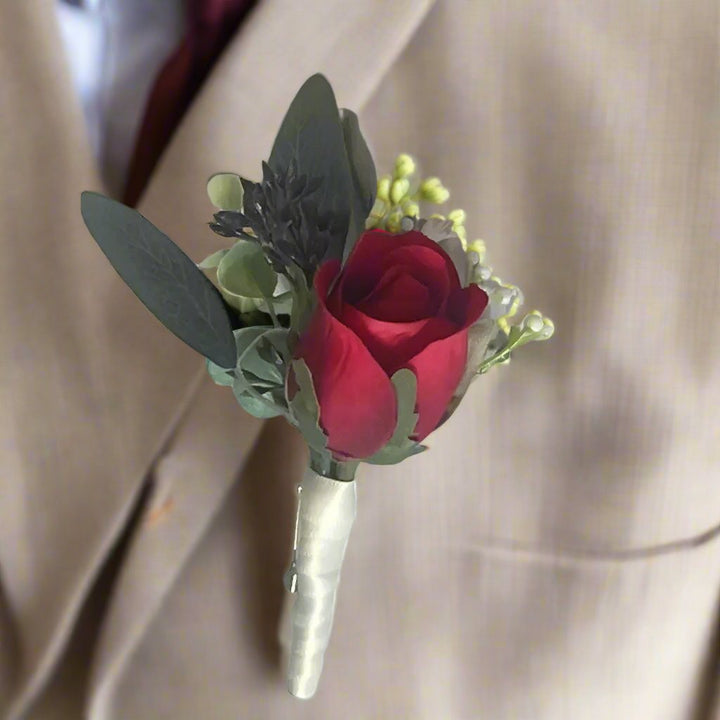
(340,301)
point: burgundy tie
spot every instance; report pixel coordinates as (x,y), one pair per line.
(211,24)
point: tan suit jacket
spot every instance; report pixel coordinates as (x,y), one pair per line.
(554,557)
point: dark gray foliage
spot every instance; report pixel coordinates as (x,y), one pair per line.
(319,177)
(311,138)
(163,277)
(282,213)
(363,175)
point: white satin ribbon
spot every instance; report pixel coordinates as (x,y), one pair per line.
(326,511)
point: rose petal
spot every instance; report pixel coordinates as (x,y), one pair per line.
(358,407)
(430,265)
(377,250)
(392,344)
(440,366)
(438,369)
(466,305)
(399,297)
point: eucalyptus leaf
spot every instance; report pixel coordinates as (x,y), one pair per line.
(163,277)
(245,337)
(393,454)
(225,191)
(244,272)
(266,357)
(247,307)
(305,408)
(405,384)
(260,408)
(282,304)
(363,176)
(213,260)
(220,376)
(400,445)
(259,378)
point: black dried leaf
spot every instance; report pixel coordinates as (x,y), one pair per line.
(282,214)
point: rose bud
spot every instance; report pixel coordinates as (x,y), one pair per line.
(397,303)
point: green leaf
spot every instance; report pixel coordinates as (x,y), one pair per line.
(405,384)
(244,272)
(220,376)
(282,304)
(266,357)
(245,337)
(259,383)
(311,138)
(518,336)
(163,277)
(392,455)
(400,445)
(305,408)
(225,191)
(213,260)
(258,408)
(363,175)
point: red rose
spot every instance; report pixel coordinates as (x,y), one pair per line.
(398,303)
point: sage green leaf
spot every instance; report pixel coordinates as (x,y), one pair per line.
(163,277)
(220,376)
(363,176)
(400,445)
(244,272)
(405,384)
(266,357)
(213,260)
(392,455)
(225,191)
(245,337)
(260,408)
(305,408)
(282,304)
(259,378)
(311,139)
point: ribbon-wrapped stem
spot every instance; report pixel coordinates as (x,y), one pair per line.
(326,511)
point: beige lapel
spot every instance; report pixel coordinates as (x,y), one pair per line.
(92,387)
(231,126)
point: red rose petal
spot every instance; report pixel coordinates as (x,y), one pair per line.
(392,344)
(438,369)
(377,250)
(430,265)
(440,366)
(466,305)
(358,407)
(399,297)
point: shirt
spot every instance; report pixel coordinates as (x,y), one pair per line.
(115,49)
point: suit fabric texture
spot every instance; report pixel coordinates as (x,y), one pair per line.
(554,556)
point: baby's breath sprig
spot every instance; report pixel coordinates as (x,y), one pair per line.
(401,193)
(534,327)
